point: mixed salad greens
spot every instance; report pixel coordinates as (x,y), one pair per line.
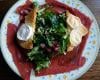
(51,38)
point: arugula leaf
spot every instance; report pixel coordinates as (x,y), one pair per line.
(42,64)
(49,40)
(41,60)
(33,52)
(51,19)
(63,45)
(61,30)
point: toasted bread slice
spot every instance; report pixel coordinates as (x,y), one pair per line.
(30,20)
(26,44)
(77,30)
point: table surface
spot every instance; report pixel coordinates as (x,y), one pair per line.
(93,74)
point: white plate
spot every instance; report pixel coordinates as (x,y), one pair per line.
(90,52)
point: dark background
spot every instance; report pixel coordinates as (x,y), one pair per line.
(7,74)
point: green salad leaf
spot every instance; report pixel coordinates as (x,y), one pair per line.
(52,32)
(40,59)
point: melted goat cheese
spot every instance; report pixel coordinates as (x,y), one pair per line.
(25,32)
(75,38)
(77,30)
(73,21)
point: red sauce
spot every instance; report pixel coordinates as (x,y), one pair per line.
(59,64)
